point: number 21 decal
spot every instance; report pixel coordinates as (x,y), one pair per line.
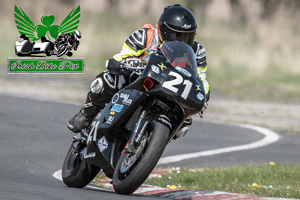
(177,81)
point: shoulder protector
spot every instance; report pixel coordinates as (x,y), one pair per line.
(137,40)
(200,54)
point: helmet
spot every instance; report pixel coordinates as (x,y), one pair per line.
(177,23)
(77,34)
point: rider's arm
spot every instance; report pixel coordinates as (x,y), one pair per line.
(201,64)
(134,46)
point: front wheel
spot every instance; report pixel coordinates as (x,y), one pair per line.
(131,171)
(61,50)
(75,171)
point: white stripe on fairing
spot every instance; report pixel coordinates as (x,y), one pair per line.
(270,137)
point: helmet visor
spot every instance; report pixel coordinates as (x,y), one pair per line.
(172,35)
(181,37)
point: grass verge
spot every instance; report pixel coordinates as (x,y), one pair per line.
(269,180)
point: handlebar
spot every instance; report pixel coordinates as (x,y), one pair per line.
(134,68)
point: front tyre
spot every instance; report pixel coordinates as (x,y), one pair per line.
(75,171)
(61,50)
(129,173)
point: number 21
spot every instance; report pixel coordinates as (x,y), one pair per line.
(178,80)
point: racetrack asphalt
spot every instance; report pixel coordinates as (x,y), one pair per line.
(34,141)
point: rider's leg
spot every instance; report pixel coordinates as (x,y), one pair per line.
(101,91)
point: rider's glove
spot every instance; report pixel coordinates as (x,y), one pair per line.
(123,69)
(207,96)
(131,62)
(113,66)
(203,109)
(116,67)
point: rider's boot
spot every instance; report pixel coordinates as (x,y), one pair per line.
(101,91)
(185,127)
(83,118)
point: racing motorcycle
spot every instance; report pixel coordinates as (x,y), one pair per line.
(128,137)
(64,45)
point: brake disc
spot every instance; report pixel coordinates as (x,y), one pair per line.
(131,158)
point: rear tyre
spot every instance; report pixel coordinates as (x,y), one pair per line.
(128,175)
(75,171)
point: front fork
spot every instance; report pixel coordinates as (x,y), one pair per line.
(79,142)
(139,131)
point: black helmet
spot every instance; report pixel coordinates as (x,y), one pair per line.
(177,23)
(77,34)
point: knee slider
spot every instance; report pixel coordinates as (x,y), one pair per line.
(97,86)
(110,81)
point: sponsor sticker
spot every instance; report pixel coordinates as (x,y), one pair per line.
(110,119)
(186,26)
(102,144)
(162,66)
(117,108)
(200,96)
(126,99)
(183,71)
(115,98)
(90,155)
(155,69)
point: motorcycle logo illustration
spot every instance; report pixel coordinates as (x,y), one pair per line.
(29,33)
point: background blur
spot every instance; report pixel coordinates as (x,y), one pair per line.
(252,47)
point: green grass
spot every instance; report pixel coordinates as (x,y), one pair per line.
(282,180)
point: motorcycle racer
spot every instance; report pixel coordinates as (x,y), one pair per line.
(71,38)
(176,23)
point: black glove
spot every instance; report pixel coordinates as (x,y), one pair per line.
(131,62)
(207,97)
(114,66)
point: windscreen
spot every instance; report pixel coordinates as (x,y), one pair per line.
(180,55)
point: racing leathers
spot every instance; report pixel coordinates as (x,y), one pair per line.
(138,45)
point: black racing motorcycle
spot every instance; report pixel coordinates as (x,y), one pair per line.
(129,136)
(64,45)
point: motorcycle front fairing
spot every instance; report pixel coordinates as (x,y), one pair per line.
(174,72)
(188,92)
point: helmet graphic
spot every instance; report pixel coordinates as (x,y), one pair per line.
(77,34)
(177,23)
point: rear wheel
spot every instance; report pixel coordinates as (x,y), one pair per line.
(133,169)
(75,171)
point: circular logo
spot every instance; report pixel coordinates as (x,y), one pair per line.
(115,98)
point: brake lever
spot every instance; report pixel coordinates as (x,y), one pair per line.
(134,68)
